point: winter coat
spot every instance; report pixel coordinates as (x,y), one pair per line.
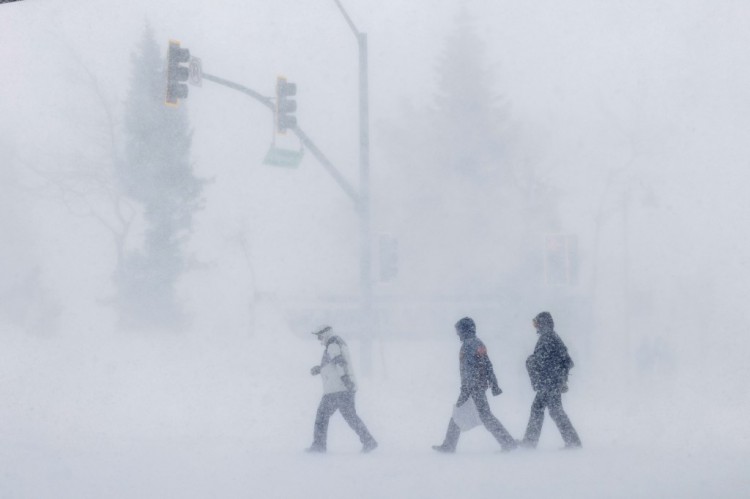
(335,366)
(550,363)
(476,369)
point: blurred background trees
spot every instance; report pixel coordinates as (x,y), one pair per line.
(157,175)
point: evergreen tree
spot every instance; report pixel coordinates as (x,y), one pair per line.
(457,175)
(469,119)
(158,176)
(462,139)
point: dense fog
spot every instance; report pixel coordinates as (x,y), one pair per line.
(586,158)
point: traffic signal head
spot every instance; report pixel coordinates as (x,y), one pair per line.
(177,74)
(285,107)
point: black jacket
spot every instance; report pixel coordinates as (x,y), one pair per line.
(477,373)
(548,366)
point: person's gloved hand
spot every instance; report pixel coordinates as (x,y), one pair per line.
(462,399)
(496,390)
(348,383)
(315,370)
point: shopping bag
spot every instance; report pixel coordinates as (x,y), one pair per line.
(466,416)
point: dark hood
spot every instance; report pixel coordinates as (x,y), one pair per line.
(466,328)
(544,323)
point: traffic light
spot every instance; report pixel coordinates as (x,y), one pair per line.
(285,107)
(177,73)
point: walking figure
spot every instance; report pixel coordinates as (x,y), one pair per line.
(548,369)
(339,388)
(477,375)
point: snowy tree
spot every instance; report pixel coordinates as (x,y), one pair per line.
(469,119)
(462,176)
(157,175)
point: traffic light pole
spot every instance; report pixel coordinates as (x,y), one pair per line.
(362,199)
(348,189)
(365,263)
(306,141)
(266,101)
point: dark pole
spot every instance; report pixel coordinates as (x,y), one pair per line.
(365,261)
(266,101)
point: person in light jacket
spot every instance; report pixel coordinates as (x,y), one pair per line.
(548,369)
(477,375)
(339,388)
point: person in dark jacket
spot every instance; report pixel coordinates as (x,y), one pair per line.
(339,387)
(548,369)
(477,375)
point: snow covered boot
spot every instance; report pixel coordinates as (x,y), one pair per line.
(369,446)
(444,449)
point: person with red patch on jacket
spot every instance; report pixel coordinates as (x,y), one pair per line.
(339,388)
(477,375)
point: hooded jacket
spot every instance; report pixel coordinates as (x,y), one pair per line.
(477,373)
(550,363)
(335,366)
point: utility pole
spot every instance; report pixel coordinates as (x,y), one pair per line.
(365,261)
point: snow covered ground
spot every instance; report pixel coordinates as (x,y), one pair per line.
(87,416)
(233,468)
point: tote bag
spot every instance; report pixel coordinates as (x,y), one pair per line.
(466,416)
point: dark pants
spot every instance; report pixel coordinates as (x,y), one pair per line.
(553,401)
(488,419)
(344,402)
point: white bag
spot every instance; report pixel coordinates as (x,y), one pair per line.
(466,416)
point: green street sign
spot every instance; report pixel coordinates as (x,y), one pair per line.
(283,157)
